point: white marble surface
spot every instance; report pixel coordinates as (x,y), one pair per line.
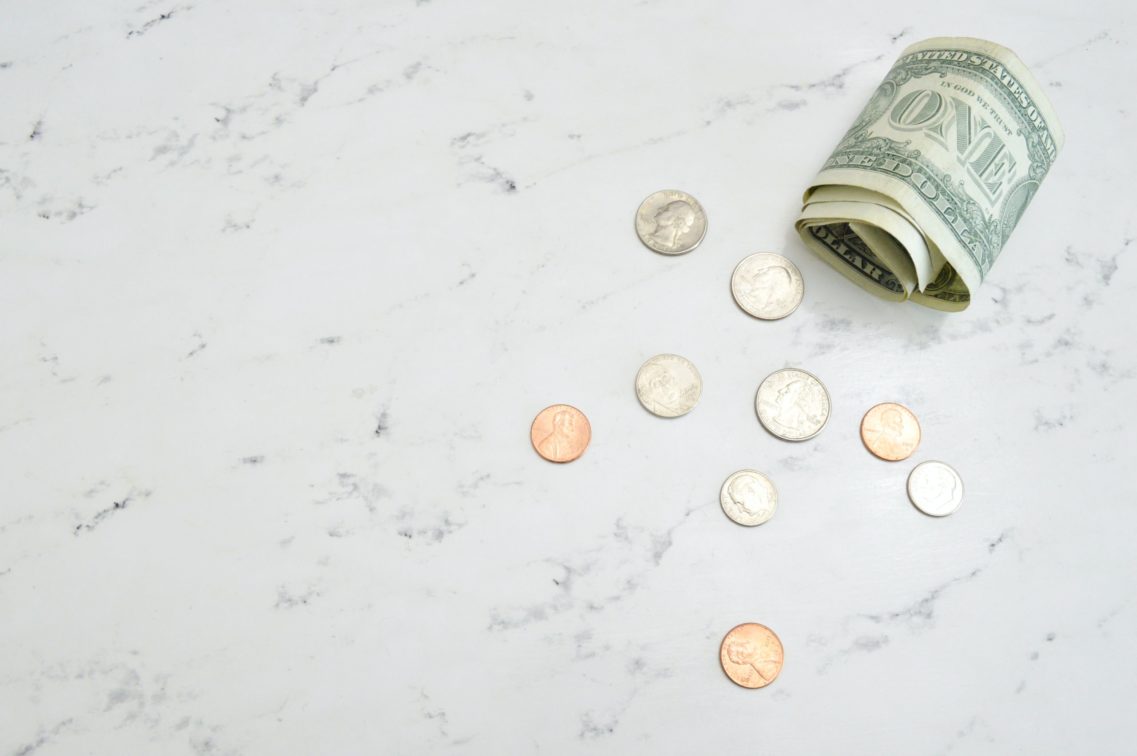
(285,283)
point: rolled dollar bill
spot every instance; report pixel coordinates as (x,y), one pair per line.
(921,194)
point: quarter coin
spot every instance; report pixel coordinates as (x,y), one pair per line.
(668,385)
(890,431)
(767,286)
(792,404)
(671,222)
(935,488)
(751,655)
(560,433)
(748,497)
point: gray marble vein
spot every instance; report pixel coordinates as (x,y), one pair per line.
(285,285)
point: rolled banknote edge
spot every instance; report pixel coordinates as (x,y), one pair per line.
(965,268)
(850,260)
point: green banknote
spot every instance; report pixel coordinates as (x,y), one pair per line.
(921,194)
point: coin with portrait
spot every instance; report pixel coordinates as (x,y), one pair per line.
(935,488)
(671,222)
(560,433)
(767,286)
(890,431)
(751,655)
(748,497)
(792,404)
(668,385)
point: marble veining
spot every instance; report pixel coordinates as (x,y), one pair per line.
(286,284)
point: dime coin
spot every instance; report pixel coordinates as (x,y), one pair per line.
(751,655)
(792,404)
(668,385)
(890,431)
(671,222)
(935,488)
(748,497)
(767,286)
(560,433)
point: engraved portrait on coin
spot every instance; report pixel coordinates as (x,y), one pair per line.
(751,655)
(560,433)
(935,488)
(792,404)
(560,440)
(892,422)
(671,222)
(792,408)
(890,431)
(746,651)
(748,497)
(743,493)
(767,286)
(939,488)
(668,385)
(662,388)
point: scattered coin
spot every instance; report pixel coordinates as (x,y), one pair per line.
(751,655)
(671,222)
(935,488)
(748,497)
(668,385)
(560,433)
(792,404)
(890,431)
(767,286)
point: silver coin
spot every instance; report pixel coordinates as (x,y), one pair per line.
(748,497)
(671,222)
(767,286)
(935,488)
(792,404)
(668,385)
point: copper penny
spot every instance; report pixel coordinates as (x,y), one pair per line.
(560,433)
(751,655)
(890,431)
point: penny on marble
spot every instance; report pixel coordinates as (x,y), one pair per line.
(792,404)
(671,222)
(767,286)
(748,497)
(668,385)
(890,431)
(560,433)
(935,488)
(751,655)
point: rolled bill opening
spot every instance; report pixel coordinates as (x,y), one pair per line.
(921,194)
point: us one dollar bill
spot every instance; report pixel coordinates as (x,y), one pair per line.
(922,193)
